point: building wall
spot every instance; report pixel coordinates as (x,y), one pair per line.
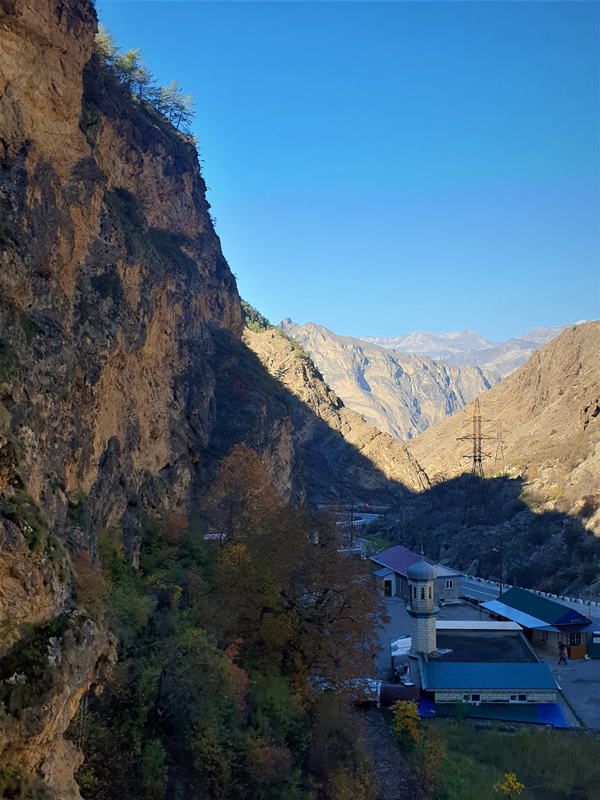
(442,592)
(496,696)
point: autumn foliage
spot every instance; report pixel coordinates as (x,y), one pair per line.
(239,656)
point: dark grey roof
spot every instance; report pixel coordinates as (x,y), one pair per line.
(384,572)
(498,647)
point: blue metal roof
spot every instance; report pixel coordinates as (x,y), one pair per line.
(449,675)
(539,713)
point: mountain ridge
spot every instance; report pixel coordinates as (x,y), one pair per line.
(397,393)
(459,348)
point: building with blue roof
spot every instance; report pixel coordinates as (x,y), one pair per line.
(546,622)
(486,673)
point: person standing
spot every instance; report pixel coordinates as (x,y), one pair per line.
(563,655)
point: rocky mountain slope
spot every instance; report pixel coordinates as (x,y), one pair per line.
(542,488)
(468,347)
(399,394)
(335,446)
(123,377)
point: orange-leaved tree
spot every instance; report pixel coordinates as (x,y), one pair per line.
(300,607)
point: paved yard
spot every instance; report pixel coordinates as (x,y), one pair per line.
(580,682)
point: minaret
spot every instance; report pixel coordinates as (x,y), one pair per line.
(422,612)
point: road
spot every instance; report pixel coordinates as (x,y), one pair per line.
(485,591)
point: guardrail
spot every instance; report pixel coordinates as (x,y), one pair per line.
(564,598)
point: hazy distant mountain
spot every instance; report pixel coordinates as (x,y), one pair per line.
(468,347)
(397,393)
(431,344)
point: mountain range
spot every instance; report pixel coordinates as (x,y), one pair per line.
(397,393)
(469,347)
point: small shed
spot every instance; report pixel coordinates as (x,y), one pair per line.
(488,683)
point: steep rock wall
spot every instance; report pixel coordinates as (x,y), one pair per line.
(112,286)
(112,274)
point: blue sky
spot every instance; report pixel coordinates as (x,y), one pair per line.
(384,167)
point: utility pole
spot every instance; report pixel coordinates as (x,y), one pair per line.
(500,445)
(501,551)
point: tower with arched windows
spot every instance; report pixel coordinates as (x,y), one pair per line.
(422,612)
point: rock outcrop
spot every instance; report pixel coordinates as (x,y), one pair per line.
(334,445)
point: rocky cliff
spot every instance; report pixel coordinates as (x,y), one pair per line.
(549,417)
(400,394)
(112,285)
(334,445)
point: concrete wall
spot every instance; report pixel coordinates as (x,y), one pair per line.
(442,592)
(496,696)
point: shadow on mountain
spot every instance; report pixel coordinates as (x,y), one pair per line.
(541,548)
(255,408)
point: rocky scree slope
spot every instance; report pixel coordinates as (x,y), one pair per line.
(399,394)
(112,285)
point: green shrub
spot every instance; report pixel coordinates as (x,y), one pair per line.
(78,515)
(22,509)
(253,319)
(18,785)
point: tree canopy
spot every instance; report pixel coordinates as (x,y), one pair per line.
(131,71)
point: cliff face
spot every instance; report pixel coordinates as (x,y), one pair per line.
(112,275)
(112,285)
(400,394)
(549,416)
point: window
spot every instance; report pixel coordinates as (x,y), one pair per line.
(517,698)
(430,592)
(415,592)
(544,636)
(476,698)
(449,584)
(574,639)
(422,593)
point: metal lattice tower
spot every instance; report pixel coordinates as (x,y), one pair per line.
(500,444)
(476,476)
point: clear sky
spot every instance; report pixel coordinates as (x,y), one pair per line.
(384,167)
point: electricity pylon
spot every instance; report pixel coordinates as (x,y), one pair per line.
(476,476)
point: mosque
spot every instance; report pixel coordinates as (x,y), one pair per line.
(487,669)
